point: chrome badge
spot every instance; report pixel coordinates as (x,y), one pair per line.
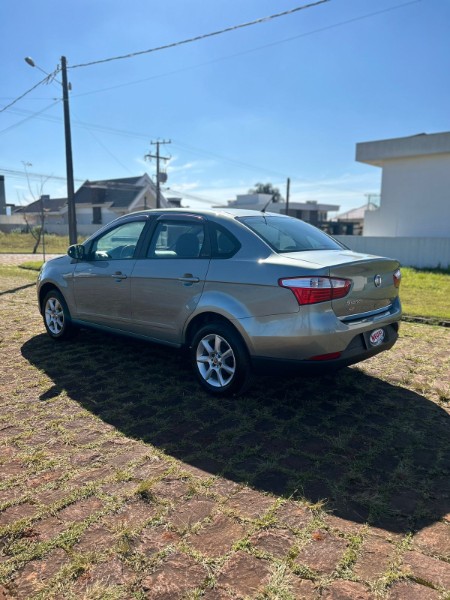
(377,280)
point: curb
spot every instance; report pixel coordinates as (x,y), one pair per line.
(426,320)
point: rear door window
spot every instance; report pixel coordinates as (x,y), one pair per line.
(177,239)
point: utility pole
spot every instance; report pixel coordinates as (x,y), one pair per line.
(71,213)
(288,189)
(158,173)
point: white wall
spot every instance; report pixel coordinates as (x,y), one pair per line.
(415,198)
(411,252)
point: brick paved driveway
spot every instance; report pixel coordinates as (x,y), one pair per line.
(126,481)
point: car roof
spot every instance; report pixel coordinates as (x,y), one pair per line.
(205,212)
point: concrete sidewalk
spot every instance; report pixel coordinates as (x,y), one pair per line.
(19,258)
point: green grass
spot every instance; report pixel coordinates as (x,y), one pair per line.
(32,265)
(425,293)
(24,242)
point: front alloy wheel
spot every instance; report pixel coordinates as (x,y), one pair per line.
(56,316)
(220,359)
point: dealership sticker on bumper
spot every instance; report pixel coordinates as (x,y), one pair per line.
(376,337)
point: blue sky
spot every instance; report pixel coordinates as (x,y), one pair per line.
(290,97)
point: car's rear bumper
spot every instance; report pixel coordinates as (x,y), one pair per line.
(357,350)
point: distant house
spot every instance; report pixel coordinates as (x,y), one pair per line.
(99,202)
(96,202)
(310,211)
(351,222)
(48,209)
(415,186)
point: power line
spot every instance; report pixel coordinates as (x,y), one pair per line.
(203,36)
(32,116)
(47,79)
(21,175)
(250,50)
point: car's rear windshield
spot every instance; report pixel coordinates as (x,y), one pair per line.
(285,234)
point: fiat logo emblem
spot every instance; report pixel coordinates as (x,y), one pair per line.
(377,280)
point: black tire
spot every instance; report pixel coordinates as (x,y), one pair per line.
(220,360)
(56,315)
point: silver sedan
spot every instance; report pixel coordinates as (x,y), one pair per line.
(241,290)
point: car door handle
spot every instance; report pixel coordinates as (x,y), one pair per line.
(118,275)
(188,278)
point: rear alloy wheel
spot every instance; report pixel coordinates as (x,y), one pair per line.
(220,359)
(56,315)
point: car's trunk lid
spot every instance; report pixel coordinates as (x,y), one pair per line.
(372,287)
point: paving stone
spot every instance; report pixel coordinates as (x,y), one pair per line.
(244,574)
(346,590)
(155,539)
(192,511)
(432,570)
(15,513)
(435,539)
(294,516)
(276,542)
(214,594)
(38,573)
(374,557)
(171,488)
(174,578)
(131,516)
(12,469)
(225,487)
(151,468)
(343,525)
(407,590)
(96,538)
(217,537)
(47,529)
(80,510)
(50,496)
(44,478)
(111,573)
(91,476)
(303,589)
(121,488)
(85,458)
(322,553)
(11,494)
(123,459)
(249,503)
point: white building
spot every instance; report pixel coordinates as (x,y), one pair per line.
(310,211)
(415,186)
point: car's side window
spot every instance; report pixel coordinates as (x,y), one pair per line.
(223,243)
(119,243)
(177,239)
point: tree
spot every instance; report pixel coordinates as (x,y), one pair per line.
(37,231)
(267,188)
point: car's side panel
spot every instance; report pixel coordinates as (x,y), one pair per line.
(102,291)
(164,292)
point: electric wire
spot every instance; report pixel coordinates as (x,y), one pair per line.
(32,116)
(46,79)
(203,36)
(249,51)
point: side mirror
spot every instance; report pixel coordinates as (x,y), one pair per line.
(77,251)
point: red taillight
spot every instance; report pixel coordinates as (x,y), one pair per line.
(310,290)
(397,278)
